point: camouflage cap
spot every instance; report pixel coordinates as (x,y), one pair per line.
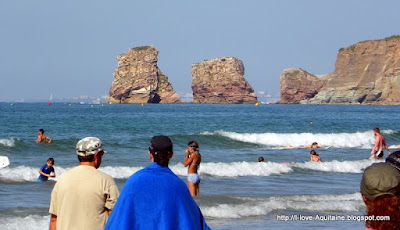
(380,179)
(394,160)
(89,146)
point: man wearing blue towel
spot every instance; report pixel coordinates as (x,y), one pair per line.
(155,198)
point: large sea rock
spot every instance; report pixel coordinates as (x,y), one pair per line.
(365,73)
(221,81)
(138,79)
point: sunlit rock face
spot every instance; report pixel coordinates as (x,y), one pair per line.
(221,81)
(365,73)
(138,79)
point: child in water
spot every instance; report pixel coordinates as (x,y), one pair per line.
(314,156)
(41,138)
(47,170)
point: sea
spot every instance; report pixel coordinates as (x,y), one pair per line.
(287,191)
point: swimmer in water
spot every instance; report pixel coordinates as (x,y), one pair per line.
(314,156)
(314,145)
(261,159)
(41,138)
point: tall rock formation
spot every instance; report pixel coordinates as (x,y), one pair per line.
(365,73)
(138,79)
(221,81)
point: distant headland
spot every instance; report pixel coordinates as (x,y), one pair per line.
(365,73)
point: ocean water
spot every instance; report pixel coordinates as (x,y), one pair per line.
(236,192)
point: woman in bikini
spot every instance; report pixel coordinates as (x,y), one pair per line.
(314,156)
(193,160)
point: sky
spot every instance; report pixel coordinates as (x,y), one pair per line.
(69,48)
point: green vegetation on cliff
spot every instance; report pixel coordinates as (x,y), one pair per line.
(140,48)
(393,37)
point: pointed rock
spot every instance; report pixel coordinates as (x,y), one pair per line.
(138,79)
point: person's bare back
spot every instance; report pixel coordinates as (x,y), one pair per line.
(41,138)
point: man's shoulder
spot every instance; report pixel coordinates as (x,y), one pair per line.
(105,175)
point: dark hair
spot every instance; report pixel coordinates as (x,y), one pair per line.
(161,159)
(41,130)
(51,160)
(313,152)
(260,159)
(89,158)
(377,130)
(385,205)
(193,144)
(161,148)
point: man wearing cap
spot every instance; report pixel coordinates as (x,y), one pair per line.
(155,198)
(380,189)
(83,197)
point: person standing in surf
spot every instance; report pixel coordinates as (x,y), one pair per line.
(41,138)
(192,161)
(377,150)
(47,171)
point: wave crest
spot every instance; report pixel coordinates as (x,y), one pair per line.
(281,140)
(9,142)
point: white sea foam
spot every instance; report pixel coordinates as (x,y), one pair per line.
(337,166)
(120,172)
(9,142)
(24,173)
(260,207)
(217,169)
(248,207)
(235,169)
(31,222)
(282,140)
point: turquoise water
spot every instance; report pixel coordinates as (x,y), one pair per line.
(236,191)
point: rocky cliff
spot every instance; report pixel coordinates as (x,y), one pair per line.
(365,73)
(138,79)
(221,81)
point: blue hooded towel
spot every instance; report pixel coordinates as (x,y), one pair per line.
(155,198)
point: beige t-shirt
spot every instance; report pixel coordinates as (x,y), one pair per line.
(81,197)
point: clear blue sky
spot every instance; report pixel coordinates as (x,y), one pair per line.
(69,48)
